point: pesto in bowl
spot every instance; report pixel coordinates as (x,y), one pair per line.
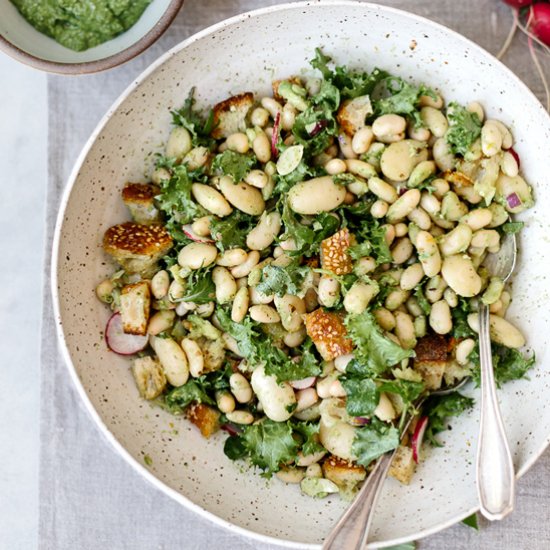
(84,24)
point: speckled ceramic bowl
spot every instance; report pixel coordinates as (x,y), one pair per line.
(246,53)
(23,42)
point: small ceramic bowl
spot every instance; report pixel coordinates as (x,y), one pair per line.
(20,40)
(245,54)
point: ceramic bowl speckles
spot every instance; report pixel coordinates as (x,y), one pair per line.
(23,42)
(246,53)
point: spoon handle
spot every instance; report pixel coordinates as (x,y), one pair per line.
(351,531)
(495,469)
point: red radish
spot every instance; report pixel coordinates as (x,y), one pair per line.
(539,22)
(318,127)
(418,436)
(512,151)
(275,136)
(120,342)
(304,383)
(360,421)
(188,230)
(231,429)
(513,200)
(518,3)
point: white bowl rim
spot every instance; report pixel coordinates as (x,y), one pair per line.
(98,65)
(55,260)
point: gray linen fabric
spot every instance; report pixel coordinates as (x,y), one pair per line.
(89,497)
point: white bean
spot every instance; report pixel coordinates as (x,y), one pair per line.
(501,330)
(450,297)
(105,288)
(291,310)
(359,296)
(441,187)
(404,330)
(305,398)
(452,208)
(435,288)
(396,298)
(240,305)
(491,139)
(435,120)
(399,159)
(388,125)
(232,257)
(401,229)
(272,106)
(225,284)
(421,172)
(201,226)
(259,117)
(382,190)
(364,266)
(428,100)
(243,196)
(463,350)
(316,195)
(240,417)
(211,199)
(362,140)
(160,284)
(507,138)
(509,165)
(310,460)
(478,218)
(262,147)
(460,275)
(246,267)
(173,360)
(360,168)
(411,276)
(486,238)
(294,339)
(384,318)
(428,253)
(197,157)
(456,240)
(440,317)
(328,291)
(379,209)
(257,297)
(385,410)
(344,142)
(278,400)
(265,232)
(225,402)
(238,142)
(257,178)
(402,250)
(194,356)
(240,387)
(197,255)
(442,154)
(403,206)
(476,107)
(179,143)
(421,218)
(161,321)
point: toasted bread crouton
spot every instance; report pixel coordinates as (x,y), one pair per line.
(353,113)
(149,376)
(204,417)
(230,115)
(346,474)
(135,304)
(432,356)
(329,334)
(334,253)
(403,466)
(275,85)
(140,200)
(137,247)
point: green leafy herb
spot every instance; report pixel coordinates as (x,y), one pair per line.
(302,172)
(375,353)
(512,227)
(425,306)
(193,391)
(471,521)
(373,440)
(508,364)
(362,395)
(440,407)
(464,128)
(282,280)
(231,231)
(236,165)
(461,328)
(192,119)
(408,390)
(267,444)
(403,99)
(310,435)
(176,202)
(245,332)
(308,237)
(199,287)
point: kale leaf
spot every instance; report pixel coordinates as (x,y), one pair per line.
(199,287)
(231,231)
(190,118)
(282,280)
(236,165)
(373,440)
(309,432)
(362,395)
(464,128)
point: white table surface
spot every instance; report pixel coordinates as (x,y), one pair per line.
(23,165)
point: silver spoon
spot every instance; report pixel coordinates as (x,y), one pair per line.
(351,531)
(495,469)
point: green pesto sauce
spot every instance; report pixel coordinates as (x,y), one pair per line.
(81,24)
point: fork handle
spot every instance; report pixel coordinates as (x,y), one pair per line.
(351,531)
(495,469)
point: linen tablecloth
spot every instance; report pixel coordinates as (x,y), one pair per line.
(89,496)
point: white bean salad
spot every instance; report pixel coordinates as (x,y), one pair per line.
(303,269)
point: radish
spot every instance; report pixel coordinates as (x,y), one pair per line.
(539,22)
(512,151)
(518,3)
(231,429)
(188,230)
(360,420)
(118,341)
(418,436)
(304,383)
(275,136)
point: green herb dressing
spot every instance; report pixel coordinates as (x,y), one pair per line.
(81,24)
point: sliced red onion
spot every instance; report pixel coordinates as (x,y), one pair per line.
(513,200)
(304,383)
(418,437)
(402,190)
(275,136)
(119,341)
(188,230)
(231,429)
(318,127)
(360,420)
(512,151)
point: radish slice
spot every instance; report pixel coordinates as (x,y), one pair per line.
(515,155)
(513,200)
(304,383)
(188,230)
(360,421)
(418,436)
(318,127)
(231,429)
(275,136)
(120,342)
